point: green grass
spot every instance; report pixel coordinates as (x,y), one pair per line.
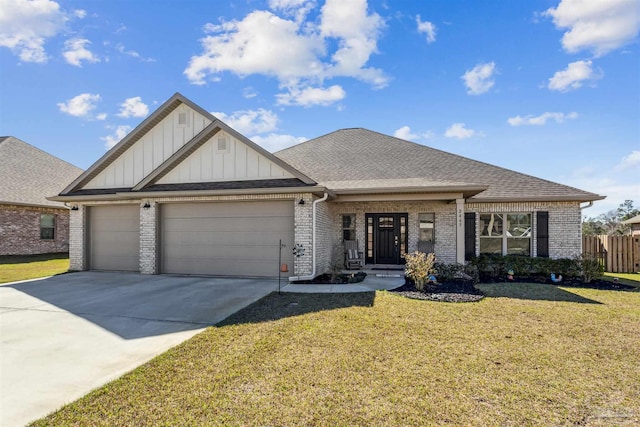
(22,267)
(627,278)
(526,355)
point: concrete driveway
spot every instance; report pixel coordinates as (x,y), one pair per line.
(63,336)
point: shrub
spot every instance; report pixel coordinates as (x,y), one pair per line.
(588,268)
(418,267)
(449,272)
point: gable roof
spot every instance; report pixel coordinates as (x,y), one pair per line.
(360,159)
(29,175)
(215,125)
(632,220)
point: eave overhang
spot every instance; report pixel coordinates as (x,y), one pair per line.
(139,195)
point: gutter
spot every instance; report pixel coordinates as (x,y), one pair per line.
(588,206)
(313,243)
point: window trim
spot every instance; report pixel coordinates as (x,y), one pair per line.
(505,235)
(351,228)
(43,235)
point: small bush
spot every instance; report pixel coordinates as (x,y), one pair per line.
(589,268)
(418,267)
(450,272)
(495,267)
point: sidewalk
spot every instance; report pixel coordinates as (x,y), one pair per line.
(376,280)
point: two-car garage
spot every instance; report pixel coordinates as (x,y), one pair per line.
(207,238)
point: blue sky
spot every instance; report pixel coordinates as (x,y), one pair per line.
(548,88)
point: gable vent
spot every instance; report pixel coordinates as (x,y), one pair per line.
(183,117)
(223,144)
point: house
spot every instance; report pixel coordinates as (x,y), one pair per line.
(634,222)
(29,223)
(184,193)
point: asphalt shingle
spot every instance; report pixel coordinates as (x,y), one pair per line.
(28,175)
(363,155)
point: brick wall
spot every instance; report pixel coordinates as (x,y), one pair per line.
(445,223)
(20,230)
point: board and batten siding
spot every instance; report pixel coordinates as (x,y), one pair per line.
(151,150)
(237,162)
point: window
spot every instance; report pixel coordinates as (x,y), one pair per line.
(348,227)
(505,234)
(427,227)
(47,226)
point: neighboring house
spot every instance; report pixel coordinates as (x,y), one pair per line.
(29,223)
(184,193)
(634,222)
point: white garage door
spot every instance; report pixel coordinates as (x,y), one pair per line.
(114,237)
(226,238)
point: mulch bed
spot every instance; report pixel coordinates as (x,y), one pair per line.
(457,290)
(341,279)
(600,284)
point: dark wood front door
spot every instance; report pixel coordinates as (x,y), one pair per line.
(387,238)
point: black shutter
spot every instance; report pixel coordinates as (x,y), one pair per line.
(469,235)
(543,233)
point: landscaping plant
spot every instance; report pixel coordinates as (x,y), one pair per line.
(418,267)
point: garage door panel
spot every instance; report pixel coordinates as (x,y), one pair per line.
(222,224)
(235,238)
(114,237)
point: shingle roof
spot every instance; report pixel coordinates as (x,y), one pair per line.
(28,175)
(367,156)
(632,220)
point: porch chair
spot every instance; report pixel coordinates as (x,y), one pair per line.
(353,257)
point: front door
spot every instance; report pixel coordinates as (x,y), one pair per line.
(386,238)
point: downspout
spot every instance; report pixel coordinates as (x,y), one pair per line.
(313,241)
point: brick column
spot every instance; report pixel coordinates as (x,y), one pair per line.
(460,231)
(303,235)
(77,239)
(148,238)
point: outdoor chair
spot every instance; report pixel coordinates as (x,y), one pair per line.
(352,257)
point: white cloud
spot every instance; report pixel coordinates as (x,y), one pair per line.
(541,119)
(81,105)
(75,52)
(357,34)
(132,53)
(459,131)
(101,116)
(80,13)
(310,96)
(632,161)
(133,107)
(250,121)
(428,28)
(296,52)
(573,76)
(297,8)
(111,140)
(274,141)
(26,25)
(405,133)
(249,92)
(596,25)
(478,80)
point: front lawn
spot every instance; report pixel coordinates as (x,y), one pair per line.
(525,355)
(22,267)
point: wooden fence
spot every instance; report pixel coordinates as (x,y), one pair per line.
(619,254)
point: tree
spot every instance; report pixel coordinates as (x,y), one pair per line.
(610,222)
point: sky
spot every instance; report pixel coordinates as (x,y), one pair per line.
(550,88)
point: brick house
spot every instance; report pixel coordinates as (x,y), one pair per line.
(184,193)
(29,223)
